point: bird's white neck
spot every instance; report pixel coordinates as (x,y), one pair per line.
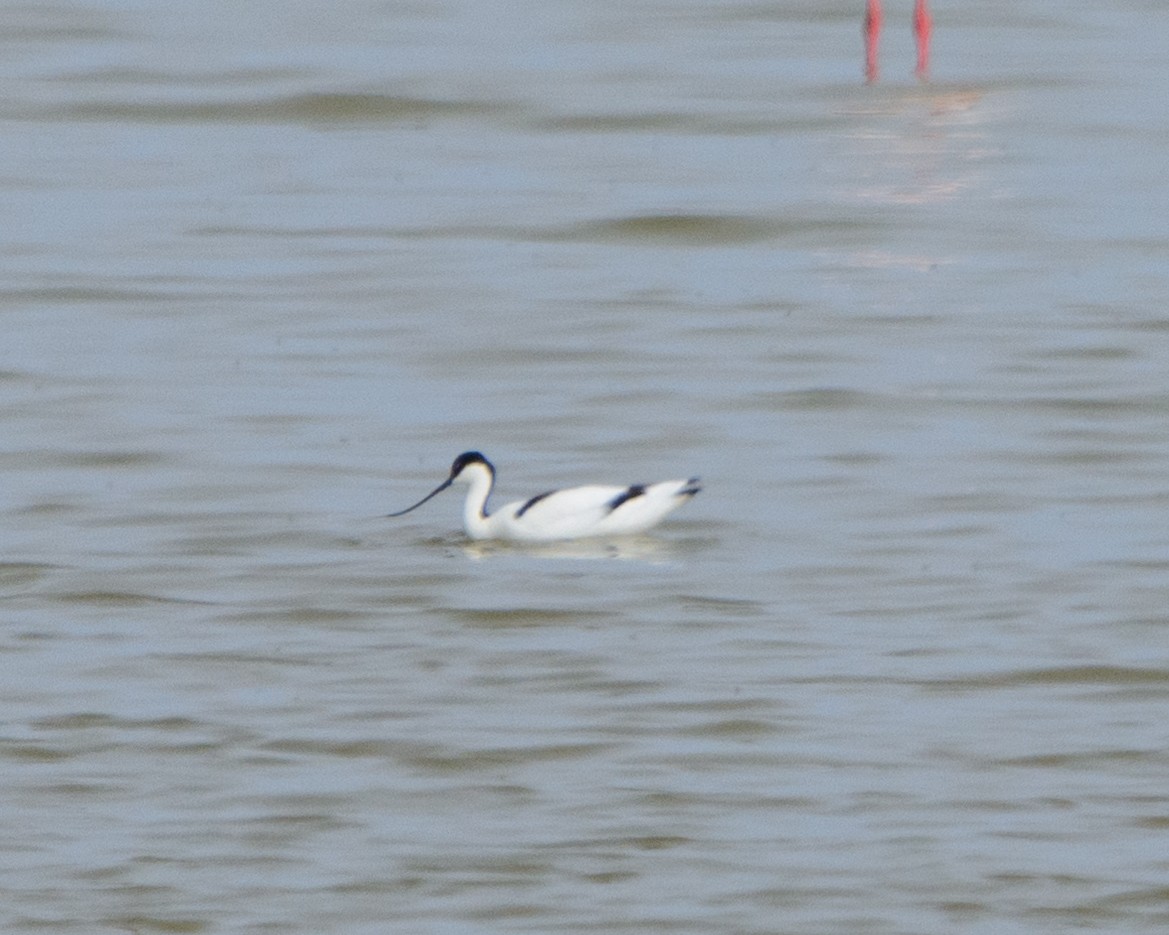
(475,506)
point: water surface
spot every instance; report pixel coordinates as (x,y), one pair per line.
(901,668)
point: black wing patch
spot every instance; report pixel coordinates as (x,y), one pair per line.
(531,503)
(635,490)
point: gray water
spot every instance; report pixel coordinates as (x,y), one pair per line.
(902,667)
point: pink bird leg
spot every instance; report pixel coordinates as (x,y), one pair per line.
(872,29)
(922,26)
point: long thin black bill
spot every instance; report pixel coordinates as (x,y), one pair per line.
(437,490)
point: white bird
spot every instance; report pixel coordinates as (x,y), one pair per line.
(575,513)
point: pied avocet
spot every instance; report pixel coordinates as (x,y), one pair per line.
(574,513)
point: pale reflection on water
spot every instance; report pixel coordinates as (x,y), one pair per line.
(637,548)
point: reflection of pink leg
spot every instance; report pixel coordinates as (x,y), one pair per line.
(872,38)
(922,25)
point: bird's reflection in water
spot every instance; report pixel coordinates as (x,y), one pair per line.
(629,548)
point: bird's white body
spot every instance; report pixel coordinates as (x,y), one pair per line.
(574,513)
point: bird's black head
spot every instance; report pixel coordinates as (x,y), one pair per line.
(469,457)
